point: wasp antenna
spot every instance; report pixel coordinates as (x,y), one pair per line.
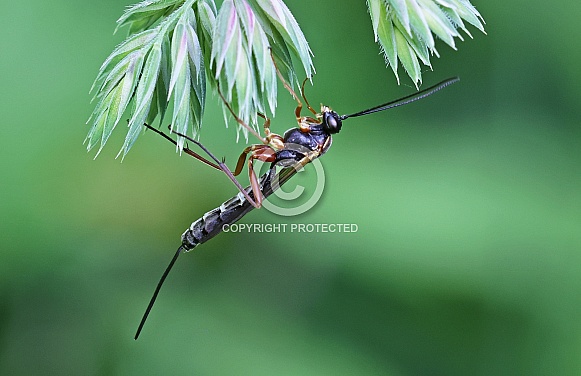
(405,100)
(156,292)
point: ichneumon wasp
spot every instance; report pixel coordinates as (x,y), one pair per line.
(313,135)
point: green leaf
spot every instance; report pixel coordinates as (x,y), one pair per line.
(408,57)
(114,101)
(386,35)
(206,17)
(418,23)
(224,31)
(468,13)
(438,22)
(197,74)
(453,16)
(375,14)
(248,35)
(266,79)
(144,95)
(99,124)
(148,81)
(175,46)
(162,88)
(405,29)
(420,48)
(187,84)
(400,9)
(285,23)
(142,15)
(135,42)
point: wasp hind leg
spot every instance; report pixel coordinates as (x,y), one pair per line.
(217,164)
(263,153)
(185,149)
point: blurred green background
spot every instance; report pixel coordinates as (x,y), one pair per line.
(468,256)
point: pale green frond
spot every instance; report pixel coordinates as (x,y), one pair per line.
(408,57)
(175,46)
(375,9)
(224,32)
(438,22)
(266,80)
(136,72)
(115,97)
(144,96)
(247,21)
(179,54)
(142,15)
(469,13)
(129,83)
(454,17)
(197,74)
(405,29)
(400,8)
(284,22)
(279,49)
(193,43)
(115,75)
(232,54)
(414,41)
(99,123)
(180,99)
(206,18)
(248,35)
(187,83)
(148,80)
(162,87)
(419,24)
(385,34)
(179,87)
(134,42)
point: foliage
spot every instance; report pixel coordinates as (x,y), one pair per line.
(175,47)
(405,29)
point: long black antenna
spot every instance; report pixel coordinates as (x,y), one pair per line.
(152,301)
(405,100)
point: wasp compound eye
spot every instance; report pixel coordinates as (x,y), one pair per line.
(332,122)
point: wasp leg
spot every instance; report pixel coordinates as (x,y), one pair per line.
(238,120)
(241,160)
(221,166)
(272,139)
(185,149)
(305,98)
(267,131)
(288,87)
(303,121)
(263,153)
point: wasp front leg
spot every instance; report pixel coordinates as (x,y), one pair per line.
(272,139)
(302,120)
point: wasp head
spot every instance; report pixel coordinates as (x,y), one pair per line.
(331,120)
